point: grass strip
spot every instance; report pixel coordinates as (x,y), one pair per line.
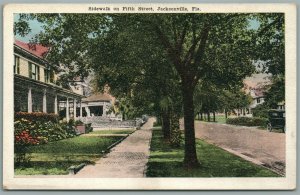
(113,132)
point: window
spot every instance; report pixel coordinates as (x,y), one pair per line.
(49,75)
(258,100)
(17,65)
(34,71)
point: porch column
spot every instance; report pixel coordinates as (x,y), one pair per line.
(67,110)
(80,109)
(74,109)
(88,111)
(45,102)
(104,109)
(55,105)
(29,100)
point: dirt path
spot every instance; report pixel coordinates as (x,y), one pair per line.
(127,159)
(259,146)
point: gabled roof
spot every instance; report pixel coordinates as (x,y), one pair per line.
(35,49)
(97,98)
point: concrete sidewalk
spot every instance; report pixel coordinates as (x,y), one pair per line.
(127,159)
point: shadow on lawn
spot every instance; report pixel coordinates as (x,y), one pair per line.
(166,161)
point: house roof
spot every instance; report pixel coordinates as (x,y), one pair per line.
(97,98)
(257,92)
(35,49)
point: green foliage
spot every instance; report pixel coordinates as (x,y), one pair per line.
(270,54)
(37,132)
(166,161)
(270,43)
(209,97)
(275,92)
(157,124)
(48,130)
(36,116)
(261,111)
(146,57)
(247,121)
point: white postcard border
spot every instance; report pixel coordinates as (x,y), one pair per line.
(52,183)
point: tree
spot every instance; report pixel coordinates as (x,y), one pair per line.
(191,46)
(270,51)
(200,47)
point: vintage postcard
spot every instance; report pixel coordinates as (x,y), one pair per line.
(149,96)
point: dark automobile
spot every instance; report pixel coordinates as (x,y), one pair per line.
(276,120)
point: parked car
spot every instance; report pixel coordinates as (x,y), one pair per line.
(276,120)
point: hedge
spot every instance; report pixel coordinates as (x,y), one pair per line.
(247,121)
(36,116)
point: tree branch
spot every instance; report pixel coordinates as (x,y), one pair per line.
(182,37)
(200,52)
(170,49)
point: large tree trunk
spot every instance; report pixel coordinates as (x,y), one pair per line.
(226,114)
(166,124)
(190,155)
(201,116)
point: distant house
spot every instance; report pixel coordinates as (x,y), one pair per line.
(97,104)
(257,95)
(35,88)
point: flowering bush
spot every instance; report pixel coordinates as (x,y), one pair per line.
(31,133)
(23,139)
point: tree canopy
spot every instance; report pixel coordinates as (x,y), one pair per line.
(155,57)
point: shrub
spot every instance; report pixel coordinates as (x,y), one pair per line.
(247,121)
(32,132)
(23,139)
(261,111)
(36,116)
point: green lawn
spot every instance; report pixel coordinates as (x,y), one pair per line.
(219,119)
(215,162)
(56,157)
(125,131)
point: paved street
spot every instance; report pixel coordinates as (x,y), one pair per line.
(258,146)
(127,159)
